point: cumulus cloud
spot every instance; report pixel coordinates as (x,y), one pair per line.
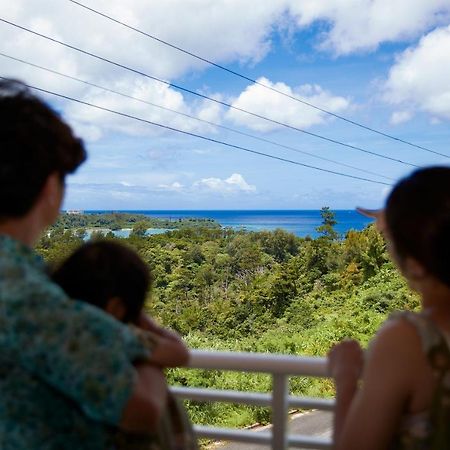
(398,117)
(206,33)
(259,100)
(231,185)
(420,78)
(351,26)
(149,91)
(175,186)
(142,191)
(362,25)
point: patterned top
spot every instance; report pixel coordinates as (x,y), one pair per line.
(65,367)
(428,430)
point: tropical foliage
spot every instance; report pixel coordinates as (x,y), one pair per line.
(258,291)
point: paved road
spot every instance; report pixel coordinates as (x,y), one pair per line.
(314,423)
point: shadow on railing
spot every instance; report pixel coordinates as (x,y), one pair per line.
(281,367)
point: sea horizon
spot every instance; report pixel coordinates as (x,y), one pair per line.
(301,222)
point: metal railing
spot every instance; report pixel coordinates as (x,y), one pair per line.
(280,367)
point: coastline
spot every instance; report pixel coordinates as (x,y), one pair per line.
(301,223)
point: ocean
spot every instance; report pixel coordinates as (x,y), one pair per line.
(299,222)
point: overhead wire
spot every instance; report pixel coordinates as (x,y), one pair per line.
(175,86)
(256,82)
(131,97)
(205,138)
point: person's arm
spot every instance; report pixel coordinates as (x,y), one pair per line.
(169,350)
(345,362)
(87,356)
(369,417)
(143,409)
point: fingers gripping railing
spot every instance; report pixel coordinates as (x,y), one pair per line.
(280,367)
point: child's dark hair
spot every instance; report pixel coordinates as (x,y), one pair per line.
(101,270)
(418,219)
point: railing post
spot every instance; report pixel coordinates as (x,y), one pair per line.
(279,411)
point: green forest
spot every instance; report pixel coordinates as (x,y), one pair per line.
(262,291)
(116,221)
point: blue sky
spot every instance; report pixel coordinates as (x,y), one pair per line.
(380,63)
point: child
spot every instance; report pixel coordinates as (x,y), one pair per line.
(114,278)
(403,401)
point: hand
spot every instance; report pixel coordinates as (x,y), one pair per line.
(345,362)
(148,324)
(170,350)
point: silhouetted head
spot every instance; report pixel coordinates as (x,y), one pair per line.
(35,143)
(108,275)
(417,218)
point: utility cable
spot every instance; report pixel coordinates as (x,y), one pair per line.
(138,72)
(205,138)
(247,78)
(131,97)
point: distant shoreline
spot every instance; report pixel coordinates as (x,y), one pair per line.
(301,223)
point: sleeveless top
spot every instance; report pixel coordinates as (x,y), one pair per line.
(428,430)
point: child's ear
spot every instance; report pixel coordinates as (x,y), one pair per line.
(116,307)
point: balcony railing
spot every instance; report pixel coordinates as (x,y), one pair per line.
(280,367)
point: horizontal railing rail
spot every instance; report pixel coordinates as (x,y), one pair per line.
(280,367)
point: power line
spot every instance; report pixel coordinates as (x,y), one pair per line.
(247,78)
(205,138)
(138,72)
(88,83)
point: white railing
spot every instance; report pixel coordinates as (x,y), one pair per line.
(281,367)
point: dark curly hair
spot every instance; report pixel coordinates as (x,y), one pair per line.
(34,143)
(101,270)
(418,219)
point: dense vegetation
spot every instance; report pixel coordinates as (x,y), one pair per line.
(116,221)
(264,292)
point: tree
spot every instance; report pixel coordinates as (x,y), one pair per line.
(279,243)
(326,230)
(139,229)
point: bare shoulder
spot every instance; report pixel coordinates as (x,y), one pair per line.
(397,333)
(396,349)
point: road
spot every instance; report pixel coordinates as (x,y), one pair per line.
(314,423)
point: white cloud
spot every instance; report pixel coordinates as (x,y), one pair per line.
(175,186)
(398,117)
(146,90)
(231,185)
(207,32)
(267,103)
(362,25)
(126,184)
(113,193)
(211,111)
(223,31)
(420,78)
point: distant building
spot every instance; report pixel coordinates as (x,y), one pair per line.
(74,211)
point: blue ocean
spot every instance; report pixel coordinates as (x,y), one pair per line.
(299,222)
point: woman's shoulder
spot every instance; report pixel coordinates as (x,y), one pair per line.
(415,325)
(399,341)
(401,325)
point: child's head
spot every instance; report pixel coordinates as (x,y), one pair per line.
(417,218)
(108,275)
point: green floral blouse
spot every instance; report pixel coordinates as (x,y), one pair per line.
(65,367)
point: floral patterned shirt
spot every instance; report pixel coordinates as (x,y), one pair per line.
(65,366)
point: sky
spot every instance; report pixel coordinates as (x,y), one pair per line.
(379,63)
